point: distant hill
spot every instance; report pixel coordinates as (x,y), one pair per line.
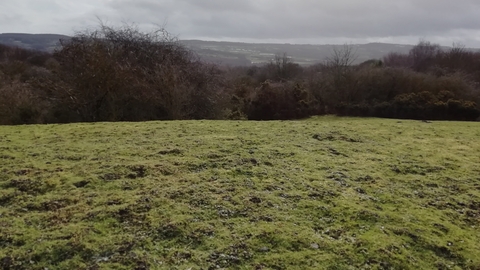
(40,42)
(237,53)
(231,53)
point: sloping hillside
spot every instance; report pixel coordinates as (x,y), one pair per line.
(304,54)
(41,42)
(231,53)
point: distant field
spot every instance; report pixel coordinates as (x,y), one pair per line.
(322,193)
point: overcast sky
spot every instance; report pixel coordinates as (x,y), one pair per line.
(284,21)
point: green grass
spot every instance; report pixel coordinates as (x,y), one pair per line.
(322,193)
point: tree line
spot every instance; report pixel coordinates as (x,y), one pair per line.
(124,74)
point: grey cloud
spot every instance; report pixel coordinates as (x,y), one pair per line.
(266,20)
(284,19)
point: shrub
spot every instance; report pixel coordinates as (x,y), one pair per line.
(117,74)
(280,101)
(423,105)
(19,105)
(463,110)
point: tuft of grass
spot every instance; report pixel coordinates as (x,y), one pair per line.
(321,193)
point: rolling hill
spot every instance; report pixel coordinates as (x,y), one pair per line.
(40,42)
(232,53)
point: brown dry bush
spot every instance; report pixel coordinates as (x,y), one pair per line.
(280,101)
(117,74)
(122,74)
(396,93)
(20,105)
(394,87)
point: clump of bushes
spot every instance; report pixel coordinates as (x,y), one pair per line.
(280,101)
(419,85)
(109,74)
(403,93)
(123,74)
(424,105)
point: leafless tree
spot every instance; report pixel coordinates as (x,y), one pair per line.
(125,74)
(340,74)
(423,54)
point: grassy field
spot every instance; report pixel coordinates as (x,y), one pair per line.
(322,193)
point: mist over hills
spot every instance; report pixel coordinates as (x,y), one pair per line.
(40,42)
(237,53)
(231,53)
